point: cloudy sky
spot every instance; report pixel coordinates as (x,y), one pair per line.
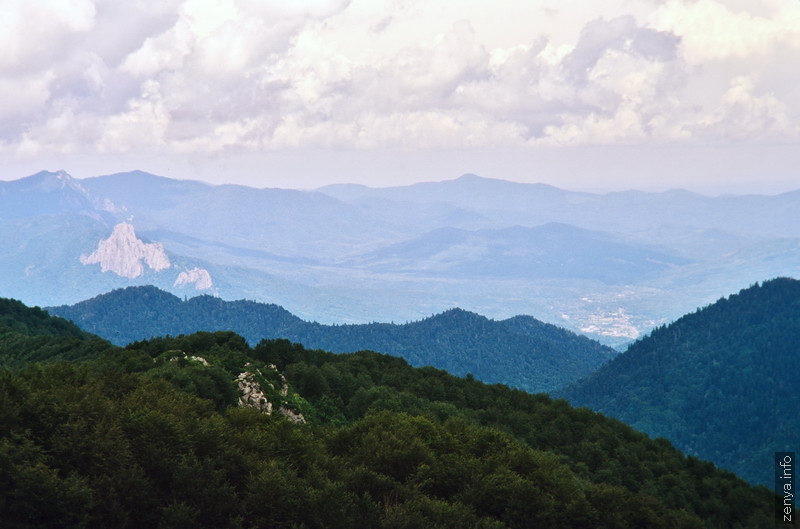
(602,94)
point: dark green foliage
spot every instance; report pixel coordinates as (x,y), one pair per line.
(91,450)
(595,448)
(720,383)
(33,321)
(16,350)
(521,351)
(145,437)
(31,335)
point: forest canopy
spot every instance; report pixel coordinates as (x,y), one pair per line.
(152,435)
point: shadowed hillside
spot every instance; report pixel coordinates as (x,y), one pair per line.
(720,383)
(164,433)
(522,352)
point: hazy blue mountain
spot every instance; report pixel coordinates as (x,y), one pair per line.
(41,261)
(49,221)
(629,212)
(284,222)
(548,251)
(355,254)
(141,192)
(40,257)
(720,383)
(45,193)
(471,201)
(522,352)
(470,191)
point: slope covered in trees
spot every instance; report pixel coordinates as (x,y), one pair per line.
(720,383)
(16,317)
(522,351)
(150,436)
(31,334)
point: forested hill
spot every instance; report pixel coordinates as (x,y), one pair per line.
(521,352)
(206,431)
(720,383)
(15,316)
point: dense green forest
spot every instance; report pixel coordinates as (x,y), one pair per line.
(521,351)
(16,317)
(720,383)
(151,435)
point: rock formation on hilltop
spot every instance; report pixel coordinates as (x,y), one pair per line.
(125,255)
(198,277)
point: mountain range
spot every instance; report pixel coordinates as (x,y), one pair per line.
(720,383)
(611,266)
(521,351)
(206,431)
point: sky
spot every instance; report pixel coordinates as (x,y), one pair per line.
(595,95)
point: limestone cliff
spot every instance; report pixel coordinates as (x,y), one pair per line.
(126,255)
(198,277)
(254,395)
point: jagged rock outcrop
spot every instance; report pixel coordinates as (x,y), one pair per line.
(294,416)
(253,395)
(184,356)
(126,255)
(198,277)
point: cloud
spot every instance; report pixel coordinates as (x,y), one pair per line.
(35,35)
(743,115)
(711,30)
(621,33)
(203,76)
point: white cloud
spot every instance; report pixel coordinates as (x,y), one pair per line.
(163,52)
(211,76)
(33,34)
(712,30)
(206,16)
(21,104)
(143,123)
(743,115)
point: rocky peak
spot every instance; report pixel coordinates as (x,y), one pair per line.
(183,357)
(126,255)
(253,395)
(197,277)
(50,181)
(45,193)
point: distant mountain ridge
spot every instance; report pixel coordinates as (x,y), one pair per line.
(50,193)
(532,204)
(720,383)
(611,266)
(552,250)
(521,351)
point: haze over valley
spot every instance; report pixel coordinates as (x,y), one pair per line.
(611,265)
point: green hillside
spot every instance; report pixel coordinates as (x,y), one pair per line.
(720,383)
(16,317)
(151,436)
(31,334)
(521,352)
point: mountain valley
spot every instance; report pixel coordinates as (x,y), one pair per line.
(720,383)
(165,433)
(521,351)
(611,266)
